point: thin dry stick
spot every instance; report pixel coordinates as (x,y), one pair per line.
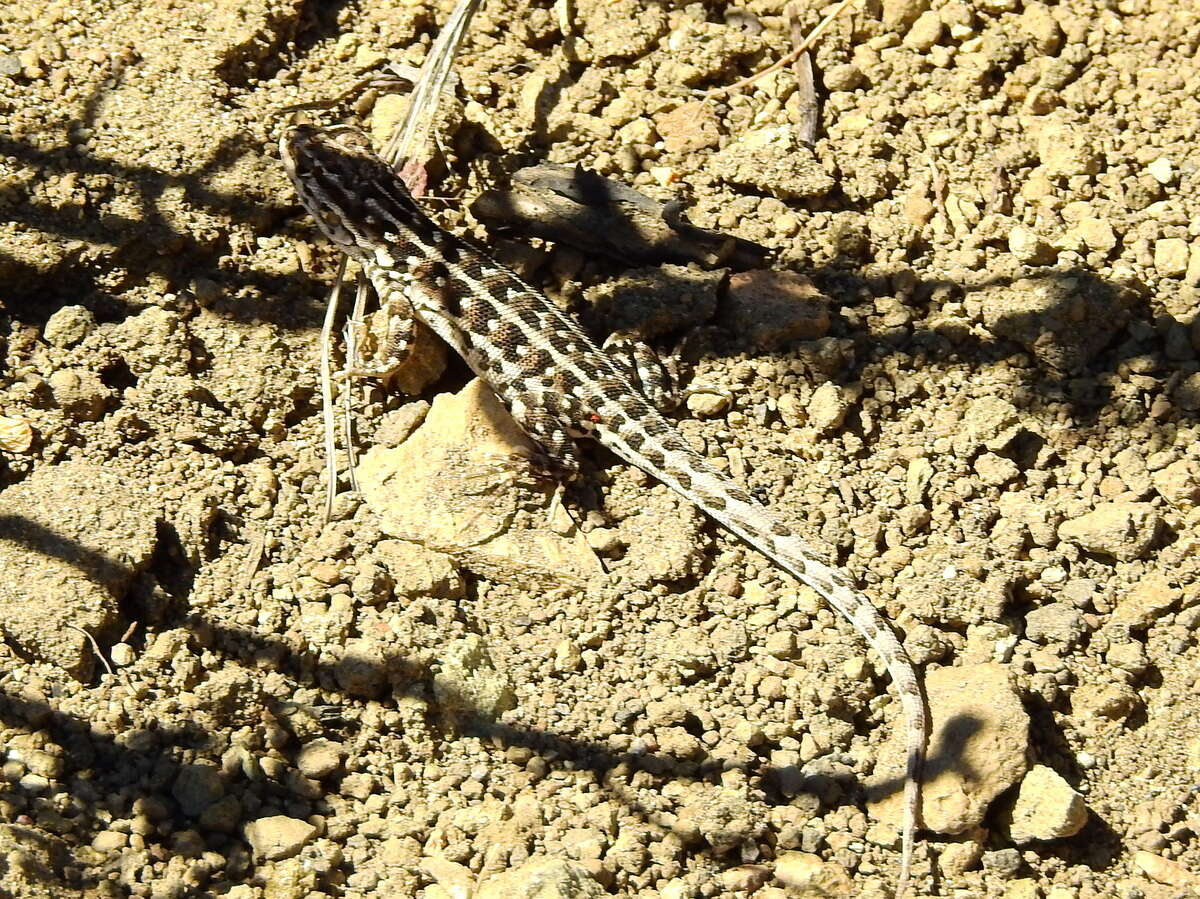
(95,648)
(427,92)
(809,116)
(328,422)
(362,290)
(784,60)
(123,677)
(254,560)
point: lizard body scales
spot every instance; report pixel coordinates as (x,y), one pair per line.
(555,380)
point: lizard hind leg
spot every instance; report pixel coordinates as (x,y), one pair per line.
(379,344)
(657,377)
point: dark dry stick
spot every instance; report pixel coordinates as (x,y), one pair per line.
(806,91)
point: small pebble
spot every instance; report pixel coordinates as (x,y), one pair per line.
(707,405)
(122,654)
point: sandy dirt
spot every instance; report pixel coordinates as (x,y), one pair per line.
(984,405)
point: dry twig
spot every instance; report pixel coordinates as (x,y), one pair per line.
(783,60)
(124,678)
(806,91)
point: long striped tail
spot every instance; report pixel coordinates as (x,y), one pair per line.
(690,475)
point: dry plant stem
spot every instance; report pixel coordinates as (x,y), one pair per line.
(123,677)
(258,549)
(95,648)
(435,72)
(327,417)
(361,292)
(784,60)
(809,114)
(806,128)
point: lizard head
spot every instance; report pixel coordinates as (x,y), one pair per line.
(359,202)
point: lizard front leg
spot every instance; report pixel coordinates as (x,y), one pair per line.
(378,345)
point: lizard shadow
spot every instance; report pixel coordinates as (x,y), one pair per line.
(153,765)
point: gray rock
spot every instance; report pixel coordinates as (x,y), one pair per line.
(774,161)
(197,787)
(1063,321)
(1058,622)
(468,684)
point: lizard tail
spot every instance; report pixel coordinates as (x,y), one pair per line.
(689,474)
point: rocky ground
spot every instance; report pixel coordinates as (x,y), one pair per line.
(970,370)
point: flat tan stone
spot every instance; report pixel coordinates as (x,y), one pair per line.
(458,486)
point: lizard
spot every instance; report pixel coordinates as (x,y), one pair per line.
(557,383)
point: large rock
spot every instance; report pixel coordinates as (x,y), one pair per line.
(278,836)
(1064,321)
(460,485)
(807,876)
(542,878)
(1168,871)
(1118,529)
(723,817)
(768,309)
(72,537)
(774,161)
(469,685)
(656,300)
(979,737)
